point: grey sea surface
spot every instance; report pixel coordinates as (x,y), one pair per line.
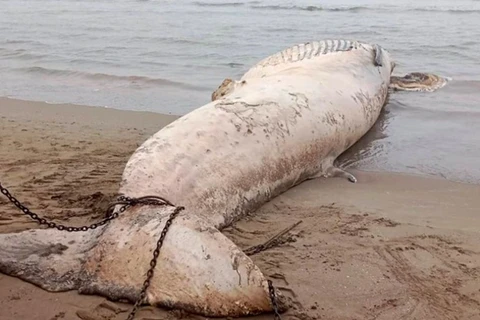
(168,56)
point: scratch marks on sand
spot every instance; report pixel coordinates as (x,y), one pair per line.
(348,254)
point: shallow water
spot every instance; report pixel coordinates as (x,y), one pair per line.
(167,56)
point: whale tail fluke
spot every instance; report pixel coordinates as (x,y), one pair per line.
(198,269)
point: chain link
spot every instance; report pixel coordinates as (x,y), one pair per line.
(126,202)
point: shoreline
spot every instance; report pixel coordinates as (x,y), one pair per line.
(148,118)
(391,246)
(21,107)
(69,105)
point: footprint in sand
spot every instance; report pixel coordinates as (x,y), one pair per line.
(104,311)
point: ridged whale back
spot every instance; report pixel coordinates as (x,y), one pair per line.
(308,50)
(303,52)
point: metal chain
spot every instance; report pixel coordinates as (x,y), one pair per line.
(126,202)
(263,247)
(153,262)
(273,298)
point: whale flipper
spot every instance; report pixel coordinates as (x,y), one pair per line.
(335,172)
(226,87)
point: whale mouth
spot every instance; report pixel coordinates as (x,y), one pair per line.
(417,81)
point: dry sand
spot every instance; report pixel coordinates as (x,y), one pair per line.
(389,247)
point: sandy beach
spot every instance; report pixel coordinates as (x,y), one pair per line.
(389,247)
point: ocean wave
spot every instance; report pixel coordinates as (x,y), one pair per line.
(232,65)
(71,74)
(177,40)
(429,112)
(19,41)
(445,10)
(469,43)
(465,86)
(6,52)
(310,8)
(220,4)
(259,6)
(26,56)
(452,51)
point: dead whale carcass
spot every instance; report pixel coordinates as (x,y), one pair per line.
(220,161)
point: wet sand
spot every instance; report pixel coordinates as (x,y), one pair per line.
(389,247)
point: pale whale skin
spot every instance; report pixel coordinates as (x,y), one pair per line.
(220,161)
